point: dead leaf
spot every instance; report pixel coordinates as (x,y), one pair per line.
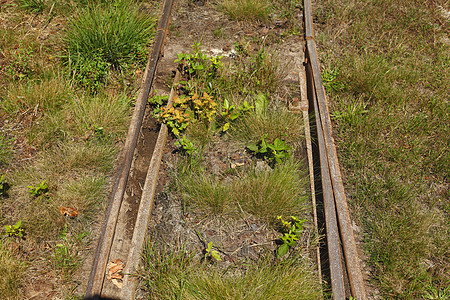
(68,211)
(115,268)
(117,283)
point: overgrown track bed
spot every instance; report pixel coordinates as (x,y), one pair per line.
(125,227)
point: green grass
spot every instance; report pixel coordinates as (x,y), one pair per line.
(390,105)
(45,95)
(11,273)
(33,6)
(246,9)
(174,273)
(264,194)
(6,149)
(61,134)
(277,122)
(105,36)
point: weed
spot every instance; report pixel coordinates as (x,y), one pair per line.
(47,95)
(158,100)
(64,257)
(166,271)
(352,113)
(386,117)
(261,104)
(253,71)
(90,73)
(39,190)
(273,153)
(15,230)
(277,122)
(20,66)
(198,65)
(330,80)
(186,145)
(210,253)
(186,110)
(176,275)
(232,112)
(177,120)
(291,233)
(33,6)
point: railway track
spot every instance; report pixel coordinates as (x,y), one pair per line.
(125,226)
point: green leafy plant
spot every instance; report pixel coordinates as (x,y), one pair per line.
(210,253)
(4,186)
(291,233)
(90,73)
(15,230)
(38,190)
(64,257)
(198,64)
(233,112)
(186,110)
(187,146)
(20,66)
(158,100)
(272,153)
(176,116)
(261,104)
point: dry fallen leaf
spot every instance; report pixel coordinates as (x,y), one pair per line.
(115,268)
(68,211)
(117,283)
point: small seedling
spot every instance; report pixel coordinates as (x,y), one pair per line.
(4,186)
(39,190)
(209,253)
(292,230)
(15,230)
(272,153)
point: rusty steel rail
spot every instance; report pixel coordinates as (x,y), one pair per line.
(130,280)
(335,201)
(95,283)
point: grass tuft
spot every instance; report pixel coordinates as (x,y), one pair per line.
(11,273)
(175,274)
(265,194)
(277,123)
(246,9)
(104,36)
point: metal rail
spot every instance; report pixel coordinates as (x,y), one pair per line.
(98,270)
(333,189)
(145,208)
